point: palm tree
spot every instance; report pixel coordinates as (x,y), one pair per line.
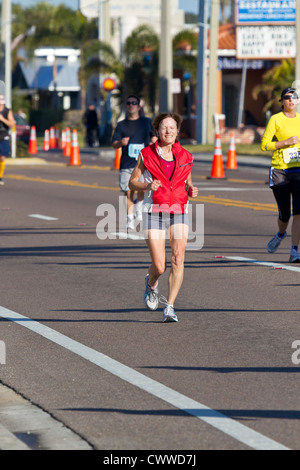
(141,64)
(98,57)
(141,52)
(274,81)
(55,26)
(185,44)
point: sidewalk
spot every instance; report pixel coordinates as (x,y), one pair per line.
(256,161)
(25,426)
(242,160)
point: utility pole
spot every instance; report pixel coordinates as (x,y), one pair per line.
(106,15)
(6,47)
(104,20)
(242,93)
(201,75)
(104,36)
(213,69)
(165,58)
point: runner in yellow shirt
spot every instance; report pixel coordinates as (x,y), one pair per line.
(6,122)
(282,136)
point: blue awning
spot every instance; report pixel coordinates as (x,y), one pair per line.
(40,76)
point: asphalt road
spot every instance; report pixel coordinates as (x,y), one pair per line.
(80,345)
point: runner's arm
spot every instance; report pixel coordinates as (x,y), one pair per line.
(191,189)
(267,142)
(9,121)
(116,144)
(134,183)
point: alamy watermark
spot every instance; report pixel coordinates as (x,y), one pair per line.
(296,354)
(113,224)
(2,353)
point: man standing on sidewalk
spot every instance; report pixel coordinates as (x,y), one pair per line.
(90,119)
(132,134)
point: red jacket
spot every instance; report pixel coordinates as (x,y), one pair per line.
(172,197)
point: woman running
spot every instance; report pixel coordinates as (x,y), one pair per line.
(282,136)
(166,167)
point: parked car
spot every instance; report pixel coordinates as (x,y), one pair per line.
(22,128)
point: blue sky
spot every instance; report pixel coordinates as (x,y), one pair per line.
(187,5)
(191,6)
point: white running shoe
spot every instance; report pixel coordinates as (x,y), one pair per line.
(130,223)
(294,257)
(275,242)
(169,313)
(138,205)
(139,216)
(150,295)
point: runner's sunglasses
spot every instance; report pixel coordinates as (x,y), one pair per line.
(294,96)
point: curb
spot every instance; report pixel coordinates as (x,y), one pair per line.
(256,161)
(25,426)
(25,161)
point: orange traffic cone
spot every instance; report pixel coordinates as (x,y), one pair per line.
(32,141)
(46,144)
(231,156)
(57,138)
(217,170)
(52,138)
(118,158)
(68,147)
(63,139)
(75,153)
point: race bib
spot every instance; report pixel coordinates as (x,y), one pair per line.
(291,155)
(134,150)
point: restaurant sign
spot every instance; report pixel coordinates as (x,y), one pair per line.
(265,12)
(266,42)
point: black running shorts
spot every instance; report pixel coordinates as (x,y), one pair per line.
(286,186)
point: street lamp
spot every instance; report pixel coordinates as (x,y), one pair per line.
(20,37)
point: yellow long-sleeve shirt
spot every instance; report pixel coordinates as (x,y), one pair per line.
(281,127)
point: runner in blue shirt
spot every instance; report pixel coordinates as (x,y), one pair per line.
(132,134)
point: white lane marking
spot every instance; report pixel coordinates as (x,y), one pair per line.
(41,216)
(263,263)
(232,428)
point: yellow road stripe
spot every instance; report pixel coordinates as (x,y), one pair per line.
(204,199)
(235,180)
(97,167)
(62,182)
(230,180)
(84,167)
(230,202)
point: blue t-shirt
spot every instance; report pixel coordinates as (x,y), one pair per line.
(140,131)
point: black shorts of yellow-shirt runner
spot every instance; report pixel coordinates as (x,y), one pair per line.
(286,189)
